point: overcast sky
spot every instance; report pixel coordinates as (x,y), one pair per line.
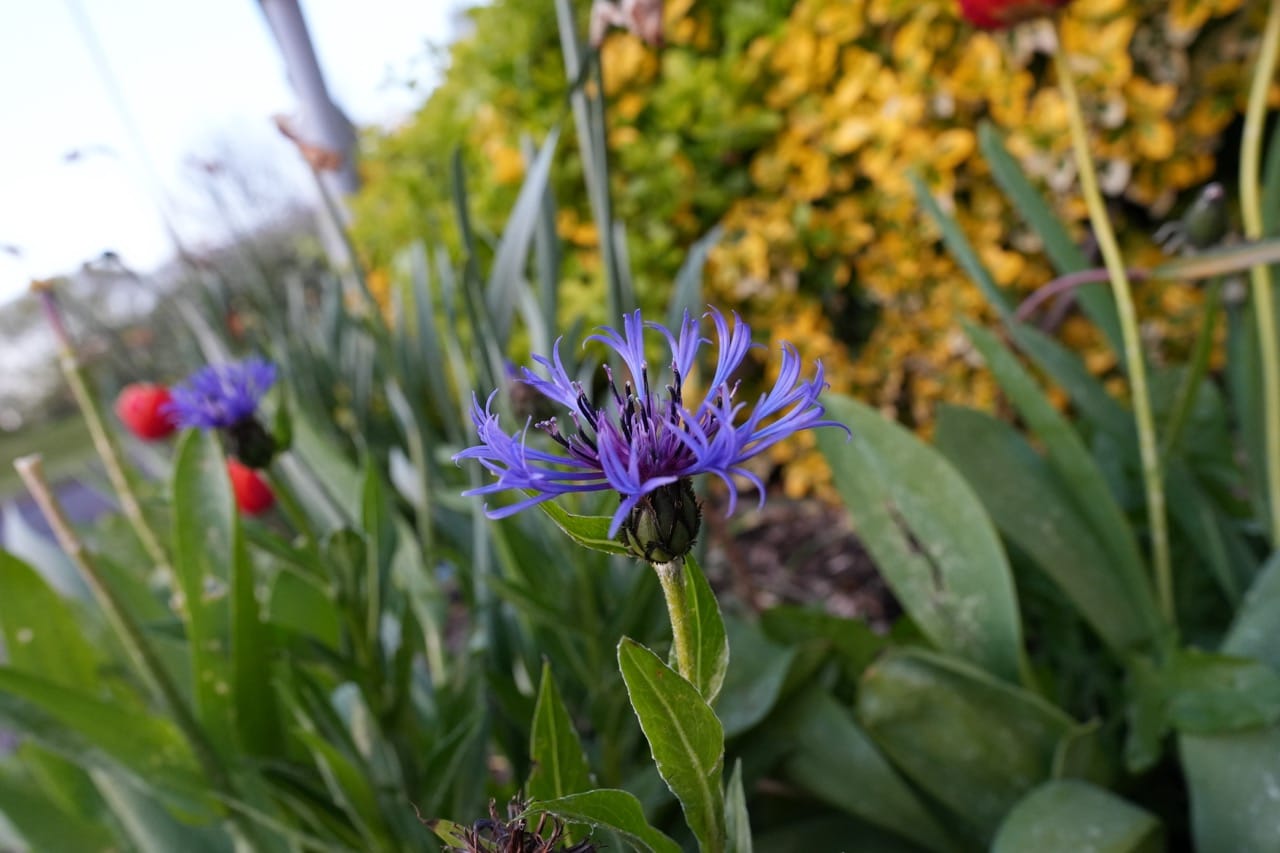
(196,75)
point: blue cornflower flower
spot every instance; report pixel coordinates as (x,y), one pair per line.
(225,397)
(643,444)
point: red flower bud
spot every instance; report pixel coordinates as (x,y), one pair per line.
(143,407)
(998,14)
(253,495)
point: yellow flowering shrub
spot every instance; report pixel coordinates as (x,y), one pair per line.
(795,125)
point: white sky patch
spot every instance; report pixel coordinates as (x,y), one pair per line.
(190,72)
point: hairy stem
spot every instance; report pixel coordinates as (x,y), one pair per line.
(671,576)
(1263,299)
(1148,449)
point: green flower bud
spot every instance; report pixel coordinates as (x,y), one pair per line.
(250,443)
(664,525)
(1205,223)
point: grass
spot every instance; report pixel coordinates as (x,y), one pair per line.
(64,444)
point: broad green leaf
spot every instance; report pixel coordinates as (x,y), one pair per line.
(511,257)
(149,826)
(347,784)
(1031,506)
(755,677)
(97,733)
(299,604)
(1077,471)
(1256,627)
(830,756)
(684,735)
(230,648)
(559,765)
(590,531)
(204,544)
(1088,394)
(975,743)
(1070,816)
(710,644)
(22,541)
(1235,799)
(737,821)
(962,250)
(1066,256)
(929,536)
(453,834)
(45,826)
(42,633)
(852,640)
(255,713)
(618,811)
(1210,693)
(687,293)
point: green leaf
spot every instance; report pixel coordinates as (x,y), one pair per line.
(1078,473)
(929,536)
(1257,624)
(684,735)
(298,604)
(830,756)
(45,826)
(453,834)
(97,733)
(149,826)
(618,811)
(975,743)
(961,249)
(507,273)
(230,647)
(1211,693)
(755,678)
(1032,507)
(1063,252)
(1235,801)
(1087,393)
(204,543)
(42,633)
(559,765)
(710,644)
(349,786)
(737,821)
(1068,816)
(21,540)
(1219,261)
(852,640)
(589,531)
(687,293)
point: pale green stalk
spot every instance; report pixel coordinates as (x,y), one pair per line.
(1148,449)
(105,446)
(134,640)
(1263,299)
(671,576)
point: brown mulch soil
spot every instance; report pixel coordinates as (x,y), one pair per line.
(797,552)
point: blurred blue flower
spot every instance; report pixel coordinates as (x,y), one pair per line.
(641,441)
(222,396)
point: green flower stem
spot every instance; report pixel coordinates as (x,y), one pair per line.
(1263,298)
(131,635)
(1147,446)
(671,576)
(1185,402)
(103,443)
